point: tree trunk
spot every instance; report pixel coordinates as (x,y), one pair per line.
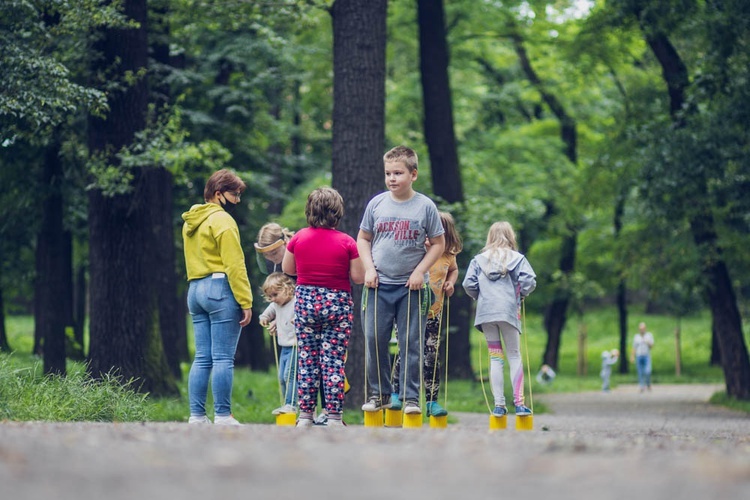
(441,144)
(4,345)
(172,309)
(359,36)
(556,313)
(124,335)
(50,293)
(622,290)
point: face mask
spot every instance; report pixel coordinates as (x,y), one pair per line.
(227,205)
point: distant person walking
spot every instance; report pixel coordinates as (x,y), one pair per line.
(642,344)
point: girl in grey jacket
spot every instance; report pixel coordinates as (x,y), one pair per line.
(498,279)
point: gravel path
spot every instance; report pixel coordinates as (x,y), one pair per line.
(622,445)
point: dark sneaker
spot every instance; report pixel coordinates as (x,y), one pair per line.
(522,411)
(500,411)
(434,409)
(395,402)
(412,407)
(376,403)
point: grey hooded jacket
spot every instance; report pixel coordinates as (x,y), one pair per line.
(498,282)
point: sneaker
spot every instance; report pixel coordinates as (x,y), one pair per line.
(412,407)
(304,422)
(287,408)
(321,419)
(434,409)
(521,410)
(395,402)
(375,403)
(500,411)
(198,419)
(336,422)
(225,420)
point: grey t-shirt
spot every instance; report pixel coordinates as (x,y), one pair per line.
(399,231)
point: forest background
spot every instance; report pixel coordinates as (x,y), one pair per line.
(612,135)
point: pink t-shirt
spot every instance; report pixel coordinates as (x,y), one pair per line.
(322,257)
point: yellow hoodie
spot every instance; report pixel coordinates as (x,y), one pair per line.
(212,245)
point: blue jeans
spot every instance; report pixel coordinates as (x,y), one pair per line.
(288,374)
(216,326)
(643,364)
(395,304)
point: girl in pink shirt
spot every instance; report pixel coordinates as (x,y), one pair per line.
(325,262)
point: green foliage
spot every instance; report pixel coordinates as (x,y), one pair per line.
(41,41)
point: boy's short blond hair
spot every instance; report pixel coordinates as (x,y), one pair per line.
(277,282)
(403,154)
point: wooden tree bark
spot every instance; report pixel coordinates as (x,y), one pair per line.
(555,315)
(441,144)
(359,36)
(50,293)
(622,290)
(124,317)
(172,303)
(4,345)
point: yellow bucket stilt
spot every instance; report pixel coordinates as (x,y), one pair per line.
(374,418)
(393,418)
(440,422)
(524,422)
(286,419)
(498,423)
(412,420)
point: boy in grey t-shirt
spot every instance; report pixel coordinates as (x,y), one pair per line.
(391,243)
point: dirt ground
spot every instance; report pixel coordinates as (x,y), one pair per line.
(666,444)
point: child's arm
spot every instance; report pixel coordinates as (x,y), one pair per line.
(267,316)
(364,247)
(450,280)
(289,264)
(471,281)
(437,246)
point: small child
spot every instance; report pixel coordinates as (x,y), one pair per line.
(278,289)
(498,279)
(609,358)
(443,277)
(271,246)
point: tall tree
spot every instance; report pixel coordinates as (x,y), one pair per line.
(556,313)
(53,307)
(440,137)
(359,40)
(124,334)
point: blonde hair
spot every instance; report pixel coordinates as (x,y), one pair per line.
(403,154)
(500,239)
(453,242)
(278,282)
(324,208)
(271,233)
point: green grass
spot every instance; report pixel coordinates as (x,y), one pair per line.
(27,395)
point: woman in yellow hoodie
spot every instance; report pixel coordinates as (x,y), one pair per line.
(219,296)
